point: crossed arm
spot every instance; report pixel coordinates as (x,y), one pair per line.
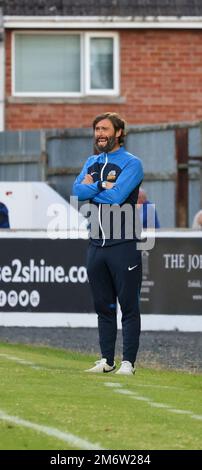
(88,179)
(115,193)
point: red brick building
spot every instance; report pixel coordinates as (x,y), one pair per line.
(66,61)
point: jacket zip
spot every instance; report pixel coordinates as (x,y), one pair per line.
(100,205)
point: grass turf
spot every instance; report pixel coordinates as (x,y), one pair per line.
(52,389)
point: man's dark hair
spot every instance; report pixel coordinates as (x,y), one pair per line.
(117,122)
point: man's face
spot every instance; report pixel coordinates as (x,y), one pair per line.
(106,138)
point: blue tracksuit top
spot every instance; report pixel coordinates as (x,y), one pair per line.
(125,171)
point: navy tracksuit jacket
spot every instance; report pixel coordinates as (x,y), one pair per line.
(4,217)
(114,264)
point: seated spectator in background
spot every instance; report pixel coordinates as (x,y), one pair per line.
(197,222)
(4,218)
(149,218)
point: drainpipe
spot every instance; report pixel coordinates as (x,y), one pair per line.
(2,72)
(182,184)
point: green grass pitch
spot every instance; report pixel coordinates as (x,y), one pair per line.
(45,395)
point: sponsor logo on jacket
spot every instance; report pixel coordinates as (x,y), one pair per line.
(111,175)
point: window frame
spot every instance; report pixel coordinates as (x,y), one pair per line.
(115,89)
(84,66)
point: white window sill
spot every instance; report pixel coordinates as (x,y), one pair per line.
(67,100)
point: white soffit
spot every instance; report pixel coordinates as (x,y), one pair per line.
(103,22)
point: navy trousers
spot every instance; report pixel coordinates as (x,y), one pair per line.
(116,272)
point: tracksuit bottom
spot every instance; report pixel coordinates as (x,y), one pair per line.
(116,272)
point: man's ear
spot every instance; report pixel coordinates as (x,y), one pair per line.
(118,133)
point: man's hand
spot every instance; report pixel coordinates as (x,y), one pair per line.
(109,185)
(88,179)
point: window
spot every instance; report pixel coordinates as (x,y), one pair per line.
(65,64)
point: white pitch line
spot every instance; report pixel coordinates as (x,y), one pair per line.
(159,405)
(62,436)
(18,360)
(169,387)
(113,384)
(180,412)
(154,404)
(197,417)
(22,361)
(124,391)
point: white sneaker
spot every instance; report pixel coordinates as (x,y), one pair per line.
(126,368)
(102,366)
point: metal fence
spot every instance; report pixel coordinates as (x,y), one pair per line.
(171,156)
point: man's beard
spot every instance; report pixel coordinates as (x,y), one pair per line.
(108,147)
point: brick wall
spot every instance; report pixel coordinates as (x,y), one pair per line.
(161,81)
